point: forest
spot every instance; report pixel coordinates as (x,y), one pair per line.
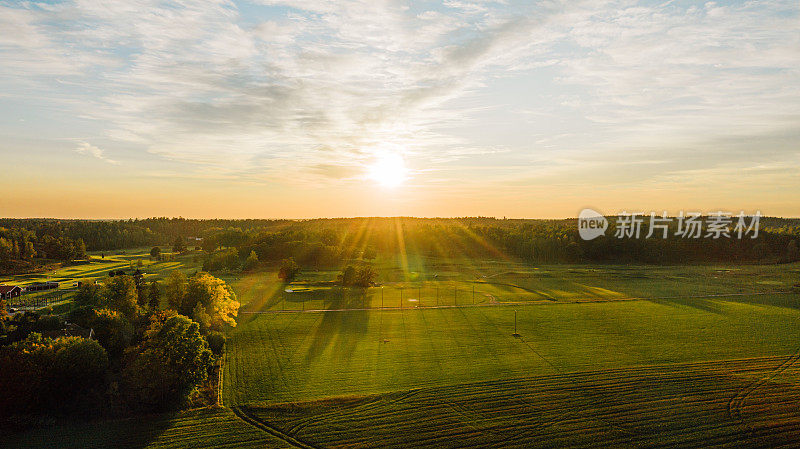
(332,242)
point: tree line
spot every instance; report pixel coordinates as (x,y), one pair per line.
(229,244)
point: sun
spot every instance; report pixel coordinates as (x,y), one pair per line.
(389,170)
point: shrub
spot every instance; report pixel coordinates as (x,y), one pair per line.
(216,342)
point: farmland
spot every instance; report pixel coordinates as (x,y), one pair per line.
(613,355)
(645,355)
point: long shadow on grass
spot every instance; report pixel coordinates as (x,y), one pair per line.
(345,327)
(131,433)
(706,305)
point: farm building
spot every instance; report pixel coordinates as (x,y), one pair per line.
(9,291)
(50,285)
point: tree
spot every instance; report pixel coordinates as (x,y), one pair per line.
(154,296)
(155,252)
(175,287)
(369,253)
(3,309)
(89,295)
(112,330)
(6,249)
(365,276)
(251,262)
(172,361)
(80,249)
(215,298)
(179,246)
(216,342)
(121,295)
(348,276)
(289,270)
(141,288)
(41,374)
(792,251)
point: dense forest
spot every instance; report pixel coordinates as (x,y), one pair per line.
(331,242)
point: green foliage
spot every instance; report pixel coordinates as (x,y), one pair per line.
(222,260)
(288,270)
(369,253)
(251,262)
(154,296)
(792,251)
(43,374)
(89,295)
(168,365)
(363,276)
(155,252)
(121,295)
(82,316)
(112,331)
(175,286)
(216,301)
(179,246)
(48,323)
(216,342)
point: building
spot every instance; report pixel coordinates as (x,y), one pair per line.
(9,291)
(49,285)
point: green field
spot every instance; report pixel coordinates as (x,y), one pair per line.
(626,356)
(297,357)
(433,284)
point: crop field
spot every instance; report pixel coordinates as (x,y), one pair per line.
(621,356)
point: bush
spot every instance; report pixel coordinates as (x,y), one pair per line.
(216,342)
(82,316)
(48,323)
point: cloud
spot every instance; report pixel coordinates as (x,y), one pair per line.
(91,150)
(256,92)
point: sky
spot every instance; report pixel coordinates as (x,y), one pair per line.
(323,108)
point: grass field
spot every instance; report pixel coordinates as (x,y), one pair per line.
(466,283)
(654,406)
(705,355)
(622,356)
(294,357)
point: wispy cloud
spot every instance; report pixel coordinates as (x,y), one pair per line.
(90,150)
